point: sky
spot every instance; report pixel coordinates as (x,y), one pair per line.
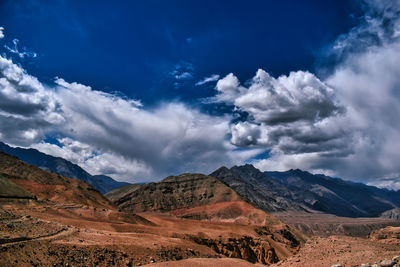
(141,90)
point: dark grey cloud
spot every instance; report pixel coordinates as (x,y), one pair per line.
(22,131)
(27,108)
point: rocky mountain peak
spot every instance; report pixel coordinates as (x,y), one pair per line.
(246,167)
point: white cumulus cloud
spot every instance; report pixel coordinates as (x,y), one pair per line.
(109,134)
(346,124)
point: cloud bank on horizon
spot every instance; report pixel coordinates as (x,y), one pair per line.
(108,134)
(344,124)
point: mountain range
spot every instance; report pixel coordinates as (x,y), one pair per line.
(180,217)
(190,215)
(190,195)
(297,190)
(62,166)
(271,191)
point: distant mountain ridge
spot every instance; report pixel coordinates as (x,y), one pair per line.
(339,196)
(266,193)
(62,166)
(297,190)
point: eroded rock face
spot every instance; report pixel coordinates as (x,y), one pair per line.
(256,249)
(246,248)
(385,233)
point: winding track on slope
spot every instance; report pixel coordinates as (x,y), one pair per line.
(18,240)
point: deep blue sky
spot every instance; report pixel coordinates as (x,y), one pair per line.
(133,46)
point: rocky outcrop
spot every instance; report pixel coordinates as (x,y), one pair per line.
(261,248)
(175,192)
(391,214)
(246,248)
(389,232)
(395,261)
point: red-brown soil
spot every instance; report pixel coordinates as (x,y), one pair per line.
(205,262)
(92,236)
(19,228)
(76,192)
(360,248)
(232,211)
(87,236)
(344,250)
